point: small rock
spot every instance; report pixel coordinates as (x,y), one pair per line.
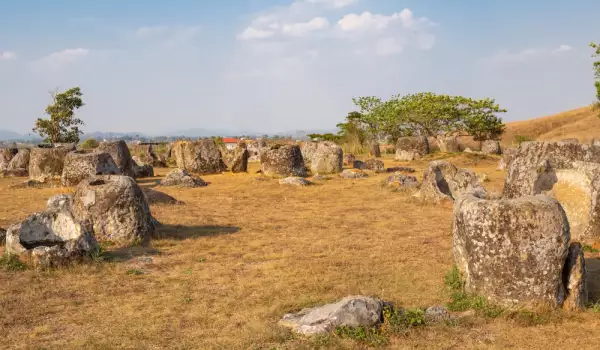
(375,165)
(60,202)
(2,235)
(353,174)
(403,181)
(295,181)
(181,178)
(400,169)
(353,311)
(437,314)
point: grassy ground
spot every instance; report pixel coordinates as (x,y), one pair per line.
(241,252)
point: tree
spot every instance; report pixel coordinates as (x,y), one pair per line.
(89,144)
(481,121)
(596,55)
(428,114)
(62,126)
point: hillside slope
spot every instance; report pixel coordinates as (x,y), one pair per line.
(582,123)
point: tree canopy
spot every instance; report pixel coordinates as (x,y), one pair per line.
(62,126)
(426,114)
(596,55)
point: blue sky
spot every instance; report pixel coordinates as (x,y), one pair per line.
(282,65)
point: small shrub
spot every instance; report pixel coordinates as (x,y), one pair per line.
(460,300)
(135,272)
(9,262)
(589,249)
(369,336)
(522,138)
(89,144)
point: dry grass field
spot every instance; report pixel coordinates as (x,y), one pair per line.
(582,123)
(242,252)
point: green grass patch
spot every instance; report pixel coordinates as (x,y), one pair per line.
(460,300)
(589,249)
(10,262)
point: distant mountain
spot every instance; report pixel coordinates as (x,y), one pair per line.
(100,135)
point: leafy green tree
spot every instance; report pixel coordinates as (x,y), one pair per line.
(596,55)
(434,115)
(481,121)
(62,126)
(325,137)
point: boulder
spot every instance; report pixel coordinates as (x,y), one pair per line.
(144,155)
(51,239)
(327,158)
(402,181)
(353,174)
(595,142)
(375,150)
(442,180)
(20,160)
(237,159)
(181,178)
(200,157)
(140,171)
(514,251)
(47,163)
(353,311)
(79,166)
(400,169)
(157,197)
(491,147)
(116,208)
(375,165)
(349,159)
(448,144)
(569,172)
(255,149)
(15,173)
(60,202)
(308,150)
(507,155)
(283,161)
(120,154)
(295,181)
(412,148)
(575,279)
(571,140)
(6,154)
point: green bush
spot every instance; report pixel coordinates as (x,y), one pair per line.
(9,262)
(89,144)
(522,138)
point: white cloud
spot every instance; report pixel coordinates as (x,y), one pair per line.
(367,21)
(562,48)
(168,34)
(303,28)
(336,4)
(60,59)
(68,55)
(256,34)
(149,31)
(7,55)
(526,55)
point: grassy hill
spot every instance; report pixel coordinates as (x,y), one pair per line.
(582,123)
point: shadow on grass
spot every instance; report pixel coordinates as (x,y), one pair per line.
(180,232)
(128,253)
(593,279)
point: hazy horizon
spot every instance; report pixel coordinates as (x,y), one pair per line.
(276,66)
